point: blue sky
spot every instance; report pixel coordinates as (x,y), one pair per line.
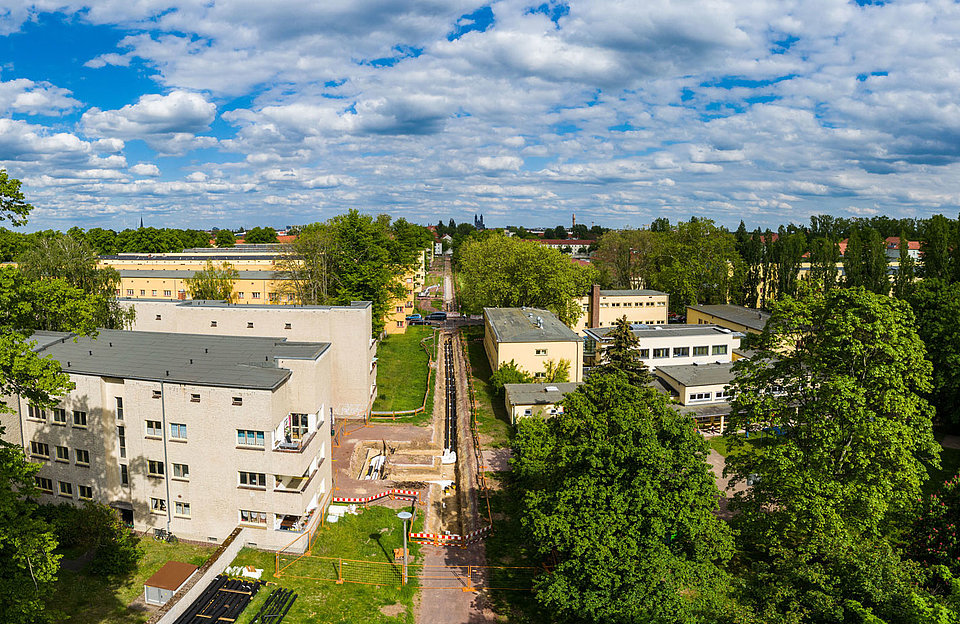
(202,114)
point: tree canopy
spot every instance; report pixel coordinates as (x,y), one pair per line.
(225,238)
(623,354)
(214,282)
(500,271)
(261,235)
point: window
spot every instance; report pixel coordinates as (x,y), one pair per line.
(44,484)
(158,505)
(82,456)
(157,394)
(249,325)
(124,475)
(63,454)
(154,468)
(178,431)
(79,418)
(628,304)
(39,449)
(660,304)
(253,517)
(213,323)
(249,438)
(239,295)
(122,441)
(181,509)
(719,349)
(399,323)
(699,396)
(528,412)
(181,471)
(723,395)
(644,354)
(540,375)
(649,304)
(167,293)
(540,352)
(59,416)
(274,296)
(237,401)
(661,353)
(85,492)
(66,489)
(153,293)
(158,317)
(255,295)
(35,413)
(154,428)
(614,305)
(701,351)
(400,308)
(142,292)
(119,408)
(129,292)
(253,479)
(681,352)
(194,398)
(287,326)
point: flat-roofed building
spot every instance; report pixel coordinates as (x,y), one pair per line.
(525,400)
(195,434)
(734,317)
(249,287)
(531,337)
(347,329)
(663,345)
(695,384)
(602,308)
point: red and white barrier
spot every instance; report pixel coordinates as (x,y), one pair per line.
(450,540)
(414,494)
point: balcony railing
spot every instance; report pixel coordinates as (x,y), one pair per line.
(294,445)
(296,485)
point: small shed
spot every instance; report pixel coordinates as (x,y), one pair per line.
(161,587)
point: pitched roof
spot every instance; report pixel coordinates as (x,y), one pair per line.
(691,375)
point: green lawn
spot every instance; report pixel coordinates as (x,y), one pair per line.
(492,415)
(86,599)
(402,366)
(370,536)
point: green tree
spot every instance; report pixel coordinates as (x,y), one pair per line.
(225,238)
(937,308)
(824,256)
(935,248)
(865,261)
(12,204)
(623,354)
(213,283)
(618,496)
(790,249)
(508,373)
(75,261)
(842,373)
(556,371)
(906,271)
(934,537)
(499,271)
(261,235)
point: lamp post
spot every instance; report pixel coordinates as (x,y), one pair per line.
(404,515)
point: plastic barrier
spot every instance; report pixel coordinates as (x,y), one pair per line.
(414,494)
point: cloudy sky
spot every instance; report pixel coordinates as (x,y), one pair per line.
(201,114)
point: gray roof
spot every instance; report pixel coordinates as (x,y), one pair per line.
(690,375)
(748,317)
(223,361)
(520,325)
(188,273)
(537,393)
(628,293)
(46,338)
(211,303)
(173,257)
(663,331)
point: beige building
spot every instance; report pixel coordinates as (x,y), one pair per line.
(531,337)
(602,308)
(669,345)
(525,400)
(347,329)
(733,317)
(191,433)
(694,384)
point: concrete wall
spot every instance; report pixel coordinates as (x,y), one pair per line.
(348,329)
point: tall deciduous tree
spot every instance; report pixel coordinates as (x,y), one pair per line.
(619,497)
(935,248)
(13,206)
(937,307)
(865,261)
(214,282)
(225,238)
(261,235)
(906,269)
(824,257)
(500,271)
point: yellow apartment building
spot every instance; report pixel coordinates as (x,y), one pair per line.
(602,308)
(531,337)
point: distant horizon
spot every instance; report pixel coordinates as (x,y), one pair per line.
(189,112)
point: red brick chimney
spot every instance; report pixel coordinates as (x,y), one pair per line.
(595,306)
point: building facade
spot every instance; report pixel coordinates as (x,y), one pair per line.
(531,337)
(526,400)
(194,434)
(733,317)
(694,384)
(669,345)
(347,329)
(602,308)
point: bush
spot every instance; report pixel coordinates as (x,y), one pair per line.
(95,527)
(508,373)
(934,537)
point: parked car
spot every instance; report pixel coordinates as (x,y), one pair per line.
(437,316)
(414,317)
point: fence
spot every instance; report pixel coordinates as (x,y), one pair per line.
(475,428)
(392,415)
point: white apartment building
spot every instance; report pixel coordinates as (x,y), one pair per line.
(669,345)
(602,308)
(698,384)
(352,351)
(196,434)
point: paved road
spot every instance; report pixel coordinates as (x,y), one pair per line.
(447,603)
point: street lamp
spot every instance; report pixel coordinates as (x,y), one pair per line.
(404,515)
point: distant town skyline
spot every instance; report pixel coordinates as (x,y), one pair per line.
(195,114)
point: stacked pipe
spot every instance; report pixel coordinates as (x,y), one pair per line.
(222,601)
(275,608)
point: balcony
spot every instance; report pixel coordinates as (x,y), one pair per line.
(295,485)
(295,443)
